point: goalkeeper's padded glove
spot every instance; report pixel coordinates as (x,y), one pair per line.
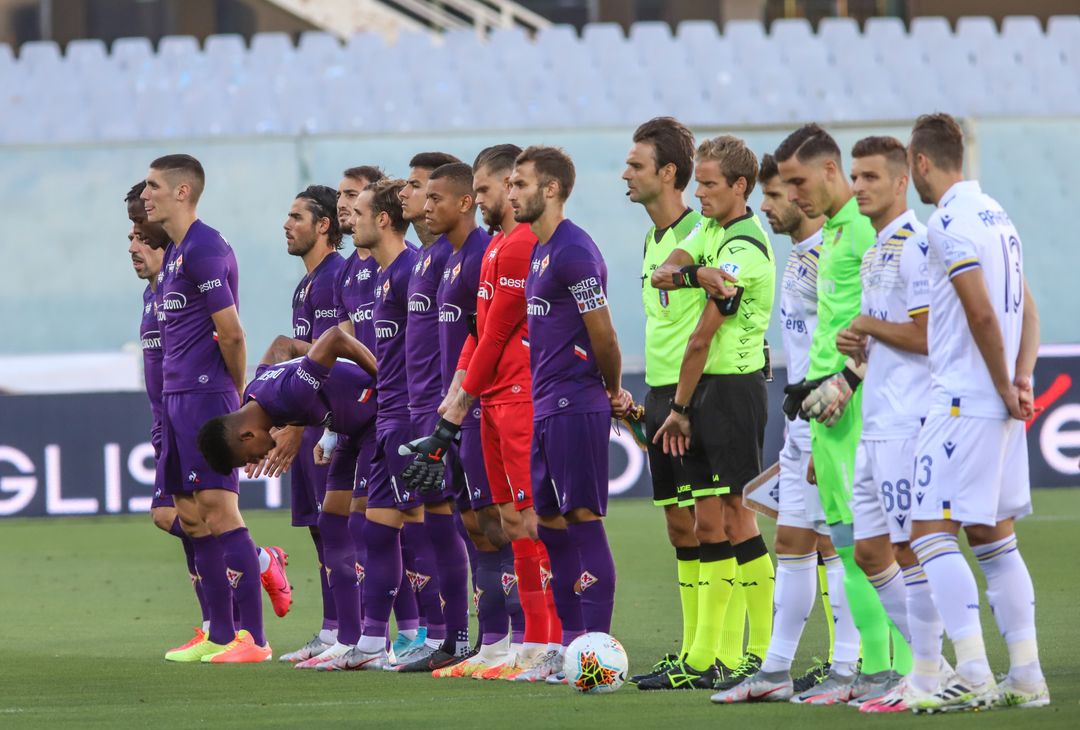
(826,403)
(795,394)
(425,472)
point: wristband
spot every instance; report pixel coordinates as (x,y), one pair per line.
(681,410)
(687,276)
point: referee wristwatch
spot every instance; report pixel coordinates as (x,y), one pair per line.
(680,409)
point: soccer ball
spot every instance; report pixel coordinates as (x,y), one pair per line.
(595,663)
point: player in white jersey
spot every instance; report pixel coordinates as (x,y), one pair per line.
(890,335)
(800,524)
(971,461)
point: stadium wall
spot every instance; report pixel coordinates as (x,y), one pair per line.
(88,454)
(66,283)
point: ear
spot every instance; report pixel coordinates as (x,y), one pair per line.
(668,172)
(740,186)
(323,226)
(467,203)
(551,190)
(246,436)
(183,190)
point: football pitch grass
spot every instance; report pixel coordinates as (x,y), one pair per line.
(89,605)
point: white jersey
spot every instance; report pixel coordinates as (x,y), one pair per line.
(798,316)
(895,287)
(969,231)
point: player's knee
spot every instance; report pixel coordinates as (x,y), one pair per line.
(491,528)
(904,555)
(867,558)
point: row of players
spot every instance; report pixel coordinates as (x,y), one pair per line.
(702,372)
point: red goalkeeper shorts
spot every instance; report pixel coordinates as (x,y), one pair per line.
(506,434)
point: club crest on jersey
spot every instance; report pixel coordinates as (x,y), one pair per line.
(426,264)
(586,580)
(385,289)
(543,265)
(455,272)
(417,581)
(359,572)
(179,261)
(233,576)
(508,581)
(665,299)
(545,578)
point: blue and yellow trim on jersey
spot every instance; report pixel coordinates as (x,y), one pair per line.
(954,408)
(961,266)
(918,310)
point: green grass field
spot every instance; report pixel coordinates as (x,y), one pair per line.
(90,605)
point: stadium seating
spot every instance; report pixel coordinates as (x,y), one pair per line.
(780,75)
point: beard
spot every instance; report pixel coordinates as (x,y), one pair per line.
(493,217)
(788,222)
(531,209)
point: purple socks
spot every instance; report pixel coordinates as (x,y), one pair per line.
(382,575)
(491,600)
(210,566)
(242,574)
(356,529)
(423,578)
(565,572)
(452,566)
(189,553)
(597,582)
(329,622)
(508,584)
(339,556)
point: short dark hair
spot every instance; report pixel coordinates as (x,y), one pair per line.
(808,142)
(386,198)
(432,160)
(135,192)
(371,173)
(940,138)
(321,202)
(890,148)
(187,166)
(734,157)
(213,440)
(673,144)
(458,174)
(551,163)
(768,170)
(497,158)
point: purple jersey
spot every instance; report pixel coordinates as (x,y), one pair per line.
(391,313)
(199,278)
(150,336)
(457,302)
(355,297)
(425,378)
(313,307)
(302,392)
(567,278)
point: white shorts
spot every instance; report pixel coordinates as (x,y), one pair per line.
(882,495)
(971,470)
(800,504)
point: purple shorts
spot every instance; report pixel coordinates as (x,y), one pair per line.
(466,473)
(569,463)
(385,488)
(307,481)
(363,464)
(184,470)
(345,471)
(423,424)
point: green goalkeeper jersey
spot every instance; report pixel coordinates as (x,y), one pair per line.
(845,238)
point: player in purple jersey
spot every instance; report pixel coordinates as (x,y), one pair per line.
(312,233)
(576,382)
(450,212)
(203,374)
(424,383)
(378,227)
(146,246)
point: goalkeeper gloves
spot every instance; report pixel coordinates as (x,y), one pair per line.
(826,402)
(425,472)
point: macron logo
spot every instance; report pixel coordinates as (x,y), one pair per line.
(949,447)
(945,221)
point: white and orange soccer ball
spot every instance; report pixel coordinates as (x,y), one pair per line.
(595,663)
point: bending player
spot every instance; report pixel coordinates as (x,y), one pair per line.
(810,166)
(576,387)
(971,459)
(658,169)
(801,532)
(203,374)
(721,402)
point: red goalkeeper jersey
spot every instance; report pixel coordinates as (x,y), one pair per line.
(497,360)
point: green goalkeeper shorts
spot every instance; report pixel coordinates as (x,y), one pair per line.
(834,460)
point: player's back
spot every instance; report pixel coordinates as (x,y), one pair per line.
(567,279)
(895,288)
(200,278)
(970,231)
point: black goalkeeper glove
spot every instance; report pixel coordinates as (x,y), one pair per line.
(425,472)
(795,394)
